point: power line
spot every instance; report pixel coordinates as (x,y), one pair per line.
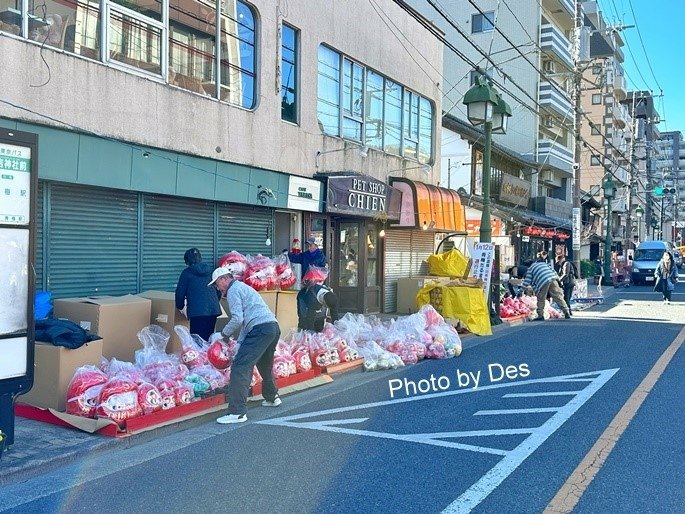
(630,3)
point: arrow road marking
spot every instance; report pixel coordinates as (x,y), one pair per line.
(511,459)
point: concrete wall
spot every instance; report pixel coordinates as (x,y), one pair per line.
(93,97)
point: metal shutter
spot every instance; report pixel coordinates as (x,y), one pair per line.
(245,230)
(171,225)
(422,245)
(397,264)
(38,263)
(93,241)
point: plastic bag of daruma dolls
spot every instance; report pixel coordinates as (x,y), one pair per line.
(83,391)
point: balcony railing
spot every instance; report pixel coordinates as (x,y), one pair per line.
(555,155)
(620,85)
(555,99)
(554,42)
(621,115)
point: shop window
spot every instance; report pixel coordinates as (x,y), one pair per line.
(349,255)
(371,257)
(289,70)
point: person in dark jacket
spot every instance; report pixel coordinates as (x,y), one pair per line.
(313,300)
(314,256)
(200,300)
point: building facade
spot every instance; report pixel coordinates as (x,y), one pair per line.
(217,126)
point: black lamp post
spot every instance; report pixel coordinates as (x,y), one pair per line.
(639,212)
(609,194)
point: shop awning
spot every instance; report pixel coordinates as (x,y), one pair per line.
(428,206)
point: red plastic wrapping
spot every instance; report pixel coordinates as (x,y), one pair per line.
(119,400)
(235,262)
(316,275)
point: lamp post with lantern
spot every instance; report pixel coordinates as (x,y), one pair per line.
(609,194)
(485,106)
(639,212)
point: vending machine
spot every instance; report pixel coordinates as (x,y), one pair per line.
(18,190)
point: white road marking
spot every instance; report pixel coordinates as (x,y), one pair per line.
(511,458)
(533,395)
(515,411)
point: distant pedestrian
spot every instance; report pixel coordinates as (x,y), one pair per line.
(567,278)
(313,256)
(666,275)
(200,301)
(258,333)
(543,280)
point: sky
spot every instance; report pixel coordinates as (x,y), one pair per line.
(661,23)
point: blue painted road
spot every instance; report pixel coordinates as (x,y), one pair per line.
(369,442)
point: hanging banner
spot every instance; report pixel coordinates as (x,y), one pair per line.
(483,255)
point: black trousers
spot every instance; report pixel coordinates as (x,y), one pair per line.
(203,326)
(568,292)
(662,287)
(257,349)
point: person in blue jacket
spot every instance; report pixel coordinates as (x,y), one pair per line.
(314,256)
(200,300)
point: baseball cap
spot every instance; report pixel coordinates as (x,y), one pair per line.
(311,240)
(218,273)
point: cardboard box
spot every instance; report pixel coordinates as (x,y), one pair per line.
(54,368)
(116,319)
(164,313)
(407,288)
(286,311)
(269,297)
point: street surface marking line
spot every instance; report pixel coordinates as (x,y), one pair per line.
(475,494)
(577,483)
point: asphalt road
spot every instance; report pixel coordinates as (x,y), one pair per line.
(370,443)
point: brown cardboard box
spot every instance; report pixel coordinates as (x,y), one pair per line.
(407,288)
(117,319)
(286,311)
(163,312)
(54,367)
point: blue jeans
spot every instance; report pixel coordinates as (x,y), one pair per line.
(256,350)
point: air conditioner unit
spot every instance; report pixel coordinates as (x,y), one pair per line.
(548,121)
(549,66)
(547,175)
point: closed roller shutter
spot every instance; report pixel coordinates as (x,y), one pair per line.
(38,263)
(245,230)
(93,241)
(170,227)
(397,265)
(422,245)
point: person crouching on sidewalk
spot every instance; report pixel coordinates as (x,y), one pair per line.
(258,333)
(542,278)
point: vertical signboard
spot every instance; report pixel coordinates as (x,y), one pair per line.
(483,256)
(18,186)
(576,228)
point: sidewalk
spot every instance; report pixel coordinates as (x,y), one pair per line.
(40,447)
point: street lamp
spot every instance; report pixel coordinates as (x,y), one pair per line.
(609,193)
(639,212)
(484,106)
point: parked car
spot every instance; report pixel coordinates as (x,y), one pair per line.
(646,259)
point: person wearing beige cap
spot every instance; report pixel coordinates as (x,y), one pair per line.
(257,332)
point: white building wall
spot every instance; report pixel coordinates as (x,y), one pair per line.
(93,97)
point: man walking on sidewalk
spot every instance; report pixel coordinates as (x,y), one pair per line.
(542,278)
(258,333)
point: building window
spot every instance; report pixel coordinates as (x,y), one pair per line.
(596,69)
(595,161)
(238,56)
(596,99)
(136,39)
(482,22)
(362,105)
(594,130)
(289,44)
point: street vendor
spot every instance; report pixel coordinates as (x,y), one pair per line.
(313,256)
(314,301)
(258,333)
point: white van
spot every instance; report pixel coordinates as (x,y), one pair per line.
(646,259)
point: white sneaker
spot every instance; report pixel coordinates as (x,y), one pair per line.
(277,401)
(668,302)
(232,418)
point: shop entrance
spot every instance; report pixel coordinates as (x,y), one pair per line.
(355,265)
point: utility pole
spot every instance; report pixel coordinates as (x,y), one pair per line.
(632,182)
(577,217)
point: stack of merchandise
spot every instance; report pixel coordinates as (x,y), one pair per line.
(382,345)
(260,272)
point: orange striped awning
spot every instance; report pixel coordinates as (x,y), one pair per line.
(431,206)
